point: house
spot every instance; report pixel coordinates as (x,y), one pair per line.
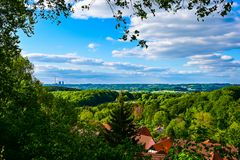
(159,150)
(209,149)
(163,145)
(107,126)
(144,137)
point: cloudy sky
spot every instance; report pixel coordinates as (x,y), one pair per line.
(86,48)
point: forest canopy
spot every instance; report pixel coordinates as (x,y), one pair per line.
(194,116)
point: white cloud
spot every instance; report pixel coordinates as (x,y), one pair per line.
(235,4)
(116,40)
(48,73)
(73,59)
(124,66)
(133,52)
(40,57)
(213,63)
(172,35)
(66,58)
(155,69)
(98,9)
(92,45)
(134,67)
(87,61)
(109,39)
(70,67)
(181,35)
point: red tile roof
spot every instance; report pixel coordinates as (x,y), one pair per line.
(144,137)
(107,126)
(144,131)
(163,145)
(208,149)
(145,140)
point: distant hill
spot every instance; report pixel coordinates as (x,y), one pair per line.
(144,87)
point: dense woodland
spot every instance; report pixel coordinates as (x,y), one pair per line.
(67,124)
(196,116)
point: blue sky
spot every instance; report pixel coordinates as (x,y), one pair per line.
(85,48)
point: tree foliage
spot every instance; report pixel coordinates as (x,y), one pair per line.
(88,98)
(196,116)
(121,122)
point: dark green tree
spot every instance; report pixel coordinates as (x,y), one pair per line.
(121,122)
(26,130)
